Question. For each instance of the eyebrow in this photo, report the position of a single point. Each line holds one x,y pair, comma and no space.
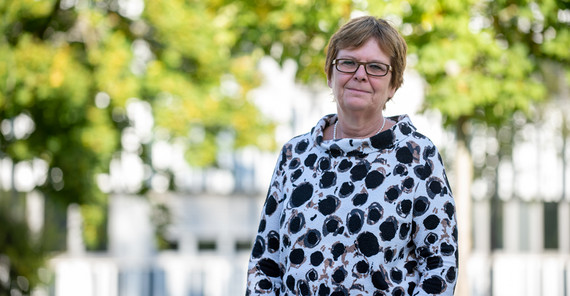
353,58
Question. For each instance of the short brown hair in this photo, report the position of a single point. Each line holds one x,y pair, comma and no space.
357,31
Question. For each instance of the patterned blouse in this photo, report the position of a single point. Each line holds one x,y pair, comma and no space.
368,216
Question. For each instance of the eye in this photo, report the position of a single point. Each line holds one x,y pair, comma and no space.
377,67
347,62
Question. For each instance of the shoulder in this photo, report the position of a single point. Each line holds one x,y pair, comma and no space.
310,139
295,145
406,131
300,142
421,140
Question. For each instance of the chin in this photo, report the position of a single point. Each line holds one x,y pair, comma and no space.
356,104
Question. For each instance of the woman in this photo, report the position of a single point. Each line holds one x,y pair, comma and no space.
361,204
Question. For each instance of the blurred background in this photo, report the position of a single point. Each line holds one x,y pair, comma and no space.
137,137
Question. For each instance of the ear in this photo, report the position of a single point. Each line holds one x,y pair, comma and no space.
329,83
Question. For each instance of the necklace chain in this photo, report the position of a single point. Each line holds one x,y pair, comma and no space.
382,127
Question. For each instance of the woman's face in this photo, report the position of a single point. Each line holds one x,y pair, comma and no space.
359,92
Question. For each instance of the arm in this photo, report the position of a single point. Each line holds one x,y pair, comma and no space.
436,230
264,276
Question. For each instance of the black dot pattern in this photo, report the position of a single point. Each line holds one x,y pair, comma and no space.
357,217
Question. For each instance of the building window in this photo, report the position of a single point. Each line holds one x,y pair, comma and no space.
496,224
551,225
207,245
243,246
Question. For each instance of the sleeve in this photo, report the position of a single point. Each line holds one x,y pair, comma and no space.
436,229
264,276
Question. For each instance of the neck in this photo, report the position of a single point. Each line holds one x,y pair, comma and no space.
358,129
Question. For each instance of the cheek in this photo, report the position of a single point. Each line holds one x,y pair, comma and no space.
334,84
338,81
384,88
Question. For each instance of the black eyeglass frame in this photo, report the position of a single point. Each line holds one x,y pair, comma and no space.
335,62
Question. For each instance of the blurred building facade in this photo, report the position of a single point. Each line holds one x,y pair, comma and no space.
520,207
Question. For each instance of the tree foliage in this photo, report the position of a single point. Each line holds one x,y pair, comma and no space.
73,66
21,253
483,60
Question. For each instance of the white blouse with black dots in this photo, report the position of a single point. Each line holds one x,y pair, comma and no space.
368,216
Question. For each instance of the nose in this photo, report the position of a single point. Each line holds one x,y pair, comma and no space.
360,73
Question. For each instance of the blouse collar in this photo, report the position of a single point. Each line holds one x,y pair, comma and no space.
362,147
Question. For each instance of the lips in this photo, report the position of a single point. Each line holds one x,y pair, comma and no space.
358,90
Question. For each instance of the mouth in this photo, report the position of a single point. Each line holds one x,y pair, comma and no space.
358,90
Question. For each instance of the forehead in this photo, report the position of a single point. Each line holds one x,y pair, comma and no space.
369,50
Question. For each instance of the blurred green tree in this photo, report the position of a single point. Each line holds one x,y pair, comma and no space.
71,67
21,256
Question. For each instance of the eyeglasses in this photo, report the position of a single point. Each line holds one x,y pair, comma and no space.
372,69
